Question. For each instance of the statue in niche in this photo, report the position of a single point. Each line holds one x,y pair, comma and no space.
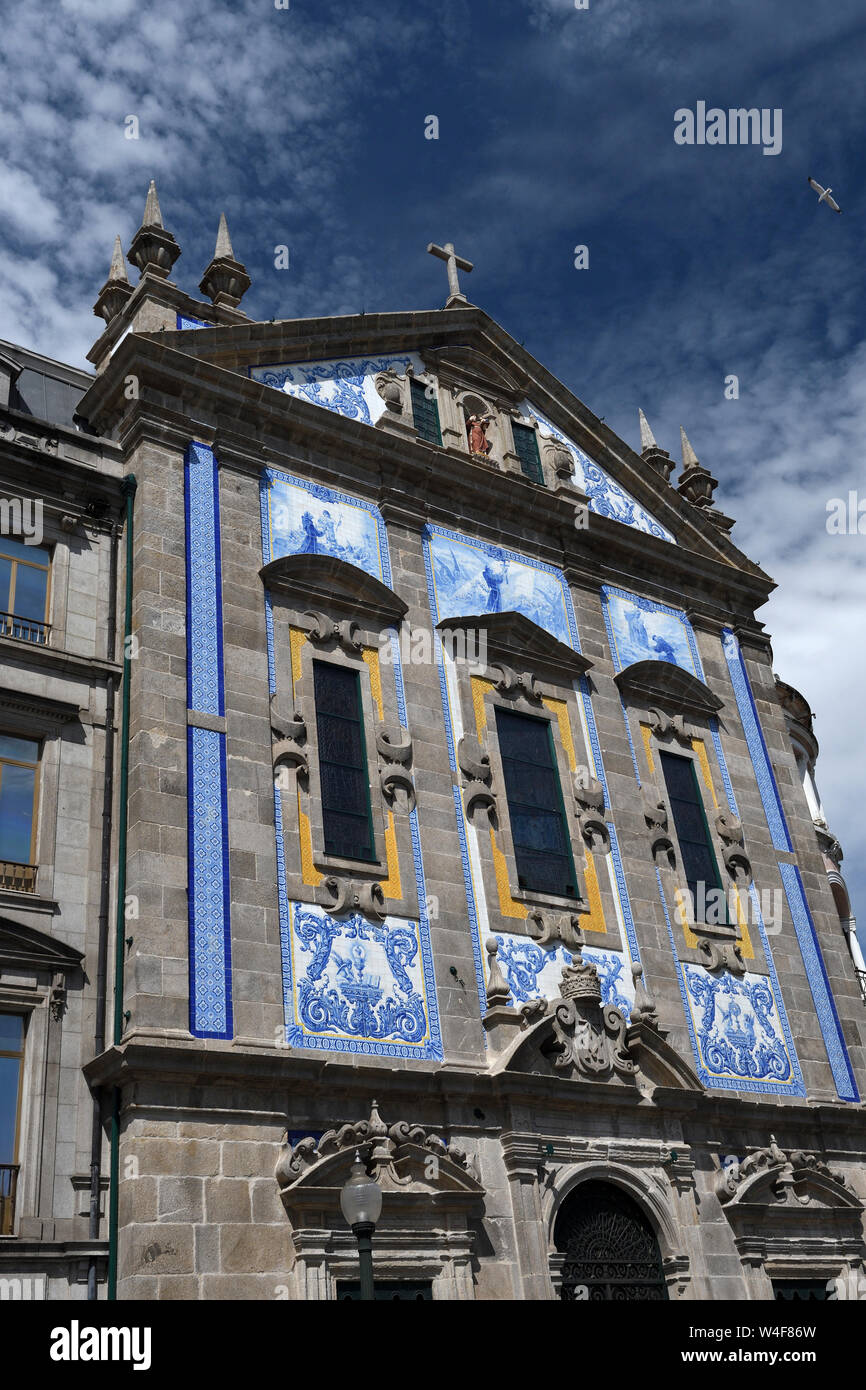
476,430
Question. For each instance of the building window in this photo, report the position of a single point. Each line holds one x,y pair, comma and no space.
526,448
699,864
801,1290
19,767
11,1058
425,413
346,813
23,590
391,1291
538,825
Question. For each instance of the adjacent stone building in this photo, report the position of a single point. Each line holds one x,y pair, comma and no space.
407,751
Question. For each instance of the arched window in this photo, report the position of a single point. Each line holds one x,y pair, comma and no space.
610,1248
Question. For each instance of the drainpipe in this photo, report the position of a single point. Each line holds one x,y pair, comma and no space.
128,487
104,905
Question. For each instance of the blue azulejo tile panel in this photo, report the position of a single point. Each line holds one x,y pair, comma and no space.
204,624
471,577
185,322
535,972
303,518
353,986
605,495
639,629
831,1029
209,889
741,1039
344,385
755,740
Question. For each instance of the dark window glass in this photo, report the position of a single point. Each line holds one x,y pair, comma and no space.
23,590
698,860
526,448
425,413
390,1291
45,397
343,775
538,824
801,1290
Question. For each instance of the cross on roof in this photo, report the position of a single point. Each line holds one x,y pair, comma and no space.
454,262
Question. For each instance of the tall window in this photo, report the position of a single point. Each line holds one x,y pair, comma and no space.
538,825
348,822
19,766
11,1058
425,413
23,590
526,448
696,848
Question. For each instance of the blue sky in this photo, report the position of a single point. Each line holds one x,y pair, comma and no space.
306,126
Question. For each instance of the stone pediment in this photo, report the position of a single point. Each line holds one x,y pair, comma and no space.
414,1168
520,643
325,581
28,949
663,682
476,371
776,1179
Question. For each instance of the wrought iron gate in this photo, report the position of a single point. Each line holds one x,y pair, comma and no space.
610,1248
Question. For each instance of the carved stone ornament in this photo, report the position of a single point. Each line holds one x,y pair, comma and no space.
719,954
394,1155
498,992
589,795
325,630
516,684
344,896
589,1039
775,1177
561,460
547,928
287,750
644,1009
730,831
395,751
475,765
666,726
389,388
656,816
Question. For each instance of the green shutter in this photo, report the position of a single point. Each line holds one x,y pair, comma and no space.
539,829
699,862
526,448
425,413
346,812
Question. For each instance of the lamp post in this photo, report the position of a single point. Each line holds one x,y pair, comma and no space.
361,1205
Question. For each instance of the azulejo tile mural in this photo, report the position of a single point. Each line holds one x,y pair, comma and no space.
737,1029
535,972
605,495
359,986
344,385
641,630
470,577
349,985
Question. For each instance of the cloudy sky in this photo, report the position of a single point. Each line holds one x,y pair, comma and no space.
307,126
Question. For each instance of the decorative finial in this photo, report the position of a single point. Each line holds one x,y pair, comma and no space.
116,290
658,458
498,993
153,250
696,483
225,281
454,262
690,458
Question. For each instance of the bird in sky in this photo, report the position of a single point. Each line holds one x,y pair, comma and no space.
824,195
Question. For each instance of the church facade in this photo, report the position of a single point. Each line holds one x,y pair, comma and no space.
434,800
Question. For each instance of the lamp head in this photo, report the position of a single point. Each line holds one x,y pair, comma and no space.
361,1197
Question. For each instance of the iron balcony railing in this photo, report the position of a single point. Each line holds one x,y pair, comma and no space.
8,1186
27,629
861,976
21,877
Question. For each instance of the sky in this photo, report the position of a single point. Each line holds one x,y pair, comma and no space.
306,125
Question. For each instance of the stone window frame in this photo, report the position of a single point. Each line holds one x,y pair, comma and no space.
39,718
294,614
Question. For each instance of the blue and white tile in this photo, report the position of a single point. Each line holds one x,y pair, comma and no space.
344,385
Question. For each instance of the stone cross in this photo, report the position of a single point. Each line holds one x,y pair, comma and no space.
454,262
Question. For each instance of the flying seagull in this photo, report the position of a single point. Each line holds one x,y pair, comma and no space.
824,195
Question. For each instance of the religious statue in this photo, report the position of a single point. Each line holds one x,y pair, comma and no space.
476,429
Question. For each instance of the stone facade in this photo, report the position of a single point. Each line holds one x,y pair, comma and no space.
295,506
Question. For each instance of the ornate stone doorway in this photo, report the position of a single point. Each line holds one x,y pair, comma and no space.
608,1248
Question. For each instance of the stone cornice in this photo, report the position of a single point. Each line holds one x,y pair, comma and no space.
28,654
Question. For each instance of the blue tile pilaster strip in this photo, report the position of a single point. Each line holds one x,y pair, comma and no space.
207,783
804,926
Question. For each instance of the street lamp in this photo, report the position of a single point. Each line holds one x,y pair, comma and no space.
361,1205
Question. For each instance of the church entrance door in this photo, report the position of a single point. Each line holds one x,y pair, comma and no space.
610,1248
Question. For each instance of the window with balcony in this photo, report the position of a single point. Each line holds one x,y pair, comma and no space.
11,1066
24,571
19,775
